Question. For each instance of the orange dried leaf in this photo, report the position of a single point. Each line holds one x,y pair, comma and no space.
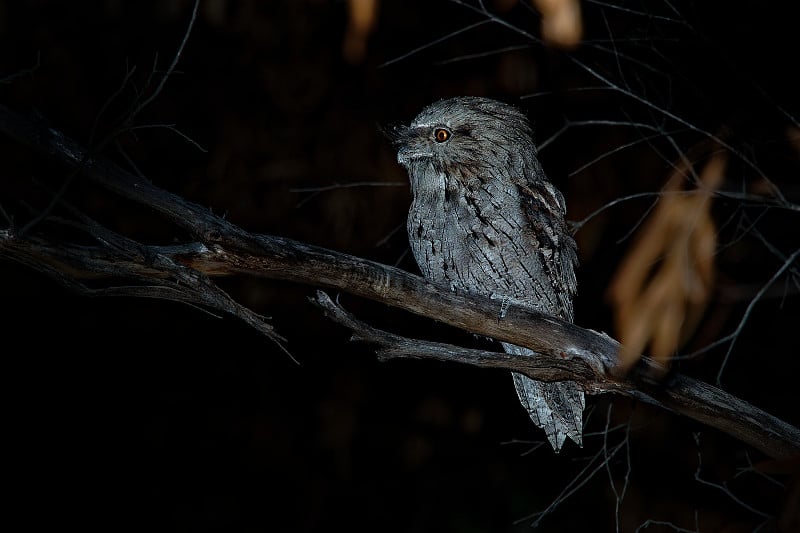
562,24
794,137
662,286
361,21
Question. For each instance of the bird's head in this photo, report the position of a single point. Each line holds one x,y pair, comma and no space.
464,132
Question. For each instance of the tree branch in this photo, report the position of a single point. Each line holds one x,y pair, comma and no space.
680,394
184,272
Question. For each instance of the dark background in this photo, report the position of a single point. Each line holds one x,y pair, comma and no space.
152,415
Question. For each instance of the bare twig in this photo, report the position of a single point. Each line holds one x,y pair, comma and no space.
723,486
24,72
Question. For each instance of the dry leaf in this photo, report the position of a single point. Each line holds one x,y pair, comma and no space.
662,286
793,133
562,24
361,20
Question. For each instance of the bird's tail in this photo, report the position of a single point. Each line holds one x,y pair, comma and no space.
556,407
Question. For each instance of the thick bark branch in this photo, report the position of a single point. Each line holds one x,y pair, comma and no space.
678,393
183,273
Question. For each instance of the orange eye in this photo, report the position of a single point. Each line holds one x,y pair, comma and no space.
441,135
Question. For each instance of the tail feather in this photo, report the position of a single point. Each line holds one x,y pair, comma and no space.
555,407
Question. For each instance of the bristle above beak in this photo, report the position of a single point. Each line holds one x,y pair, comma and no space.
396,133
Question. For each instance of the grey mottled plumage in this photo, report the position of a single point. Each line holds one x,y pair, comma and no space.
485,219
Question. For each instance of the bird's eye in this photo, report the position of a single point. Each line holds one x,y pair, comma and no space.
441,135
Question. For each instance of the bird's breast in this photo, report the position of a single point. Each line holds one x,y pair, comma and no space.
474,239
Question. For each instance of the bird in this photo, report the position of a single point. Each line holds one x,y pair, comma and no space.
485,219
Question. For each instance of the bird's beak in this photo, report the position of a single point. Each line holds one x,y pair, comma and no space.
402,138
396,133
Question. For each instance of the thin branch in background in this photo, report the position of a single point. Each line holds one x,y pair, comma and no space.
744,225
614,52
794,279
613,151
647,103
596,122
9,220
126,79
128,159
647,523
480,55
433,43
619,495
643,14
55,198
734,217
606,431
124,123
630,59
391,234
532,445
583,477
138,107
491,17
751,469
734,336
172,128
24,72
641,220
335,186
627,91
402,256
722,487
758,201
172,65
576,226
774,251
588,88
